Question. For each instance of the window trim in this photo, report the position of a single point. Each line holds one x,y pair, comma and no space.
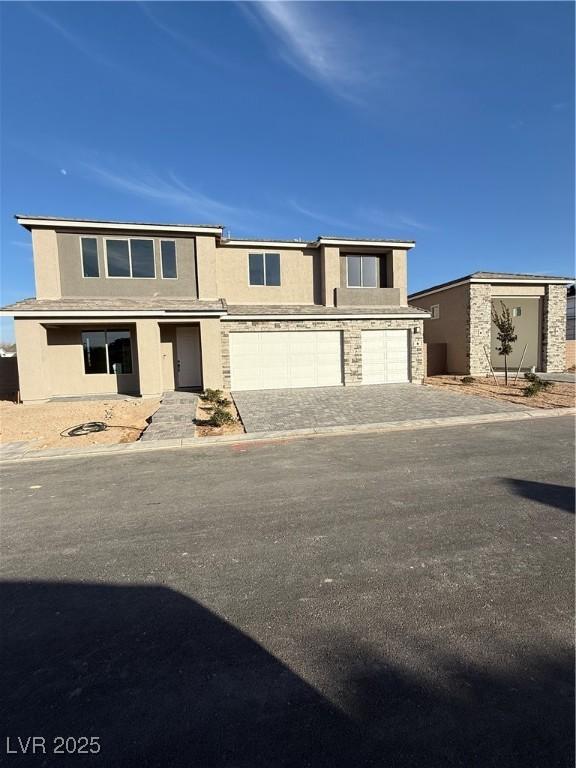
129,238
163,276
363,256
89,277
264,254
432,308
106,331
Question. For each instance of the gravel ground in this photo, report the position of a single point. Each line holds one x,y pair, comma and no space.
44,422
556,396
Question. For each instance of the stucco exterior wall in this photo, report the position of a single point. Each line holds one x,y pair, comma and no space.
527,328
46,267
330,272
73,283
352,341
554,329
298,276
451,327
570,353
51,362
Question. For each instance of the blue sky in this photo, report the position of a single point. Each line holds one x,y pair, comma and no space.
448,123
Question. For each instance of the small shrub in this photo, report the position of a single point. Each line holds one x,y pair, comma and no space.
220,416
467,379
223,402
211,395
536,384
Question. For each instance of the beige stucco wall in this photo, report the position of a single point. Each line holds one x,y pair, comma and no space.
330,273
206,267
73,283
527,327
33,365
51,362
298,276
450,327
46,269
517,290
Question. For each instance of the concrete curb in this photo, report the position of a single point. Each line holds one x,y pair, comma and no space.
292,434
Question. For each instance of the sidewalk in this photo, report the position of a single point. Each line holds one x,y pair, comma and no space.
17,452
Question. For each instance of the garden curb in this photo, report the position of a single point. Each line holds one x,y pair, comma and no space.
27,454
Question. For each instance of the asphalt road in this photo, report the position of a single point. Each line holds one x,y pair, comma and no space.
380,600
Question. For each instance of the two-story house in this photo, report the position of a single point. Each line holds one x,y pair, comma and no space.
134,308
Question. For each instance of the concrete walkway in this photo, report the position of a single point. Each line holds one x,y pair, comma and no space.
174,419
314,407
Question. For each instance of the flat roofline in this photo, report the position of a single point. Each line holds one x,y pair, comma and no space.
512,278
28,222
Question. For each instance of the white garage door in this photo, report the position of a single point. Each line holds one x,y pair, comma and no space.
385,357
285,359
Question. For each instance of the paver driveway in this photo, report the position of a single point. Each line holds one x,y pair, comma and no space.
278,409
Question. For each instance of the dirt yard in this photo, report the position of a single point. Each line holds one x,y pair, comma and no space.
44,422
203,413
555,396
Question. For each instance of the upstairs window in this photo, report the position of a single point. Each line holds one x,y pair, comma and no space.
168,252
89,246
435,311
363,271
130,258
107,351
264,268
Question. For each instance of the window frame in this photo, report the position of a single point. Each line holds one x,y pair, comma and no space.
264,254
89,277
168,240
434,311
364,256
129,238
106,331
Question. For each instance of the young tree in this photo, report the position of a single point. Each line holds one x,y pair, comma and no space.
506,334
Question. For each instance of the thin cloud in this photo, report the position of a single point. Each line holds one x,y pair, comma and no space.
171,191
71,37
184,40
21,243
392,220
330,221
314,45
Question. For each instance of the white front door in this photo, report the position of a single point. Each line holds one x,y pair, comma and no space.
188,365
385,357
285,359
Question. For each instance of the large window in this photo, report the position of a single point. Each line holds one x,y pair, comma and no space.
130,258
264,268
363,271
89,247
168,252
107,351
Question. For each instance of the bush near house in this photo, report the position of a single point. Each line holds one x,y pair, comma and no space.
535,385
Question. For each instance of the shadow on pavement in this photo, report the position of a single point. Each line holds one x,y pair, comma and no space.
165,682
558,496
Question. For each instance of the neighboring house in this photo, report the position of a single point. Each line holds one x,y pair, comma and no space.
461,318
145,308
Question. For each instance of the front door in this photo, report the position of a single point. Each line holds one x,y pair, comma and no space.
188,364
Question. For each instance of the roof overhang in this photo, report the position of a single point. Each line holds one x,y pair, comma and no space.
31,222
495,281
401,244
263,244
334,316
47,314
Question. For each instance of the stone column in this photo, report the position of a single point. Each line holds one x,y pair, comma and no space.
417,366
352,342
479,329
554,329
33,363
149,357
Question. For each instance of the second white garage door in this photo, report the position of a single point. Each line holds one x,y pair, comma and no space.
385,357
285,359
